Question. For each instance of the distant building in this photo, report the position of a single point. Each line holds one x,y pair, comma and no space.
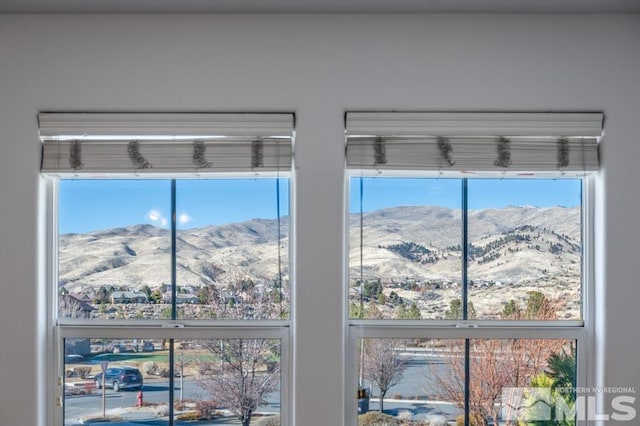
70,306
187,298
129,297
181,298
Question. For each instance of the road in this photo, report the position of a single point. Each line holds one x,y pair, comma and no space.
415,393
154,391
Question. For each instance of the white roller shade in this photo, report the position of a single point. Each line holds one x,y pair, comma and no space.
468,142
94,143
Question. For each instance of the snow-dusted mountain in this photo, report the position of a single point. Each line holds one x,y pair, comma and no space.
511,245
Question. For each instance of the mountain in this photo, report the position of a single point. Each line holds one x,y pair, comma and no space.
140,255
521,246
507,244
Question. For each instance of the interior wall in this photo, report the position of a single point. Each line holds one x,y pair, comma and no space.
318,67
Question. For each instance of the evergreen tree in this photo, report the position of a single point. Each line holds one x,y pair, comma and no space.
511,310
146,290
414,312
535,304
455,310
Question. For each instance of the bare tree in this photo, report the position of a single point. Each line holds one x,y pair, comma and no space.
383,365
246,300
243,372
498,363
495,364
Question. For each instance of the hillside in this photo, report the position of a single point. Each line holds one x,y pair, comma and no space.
519,247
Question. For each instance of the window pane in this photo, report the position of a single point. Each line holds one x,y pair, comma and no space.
232,251
217,380
409,379
114,248
505,373
410,236
525,249
227,381
134,387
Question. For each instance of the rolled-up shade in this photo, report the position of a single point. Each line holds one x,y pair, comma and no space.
96,143
467,142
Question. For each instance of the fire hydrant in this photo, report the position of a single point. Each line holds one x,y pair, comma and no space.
139,399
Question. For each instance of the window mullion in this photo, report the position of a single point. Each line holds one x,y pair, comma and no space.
465,298
173,251
465,251
174,284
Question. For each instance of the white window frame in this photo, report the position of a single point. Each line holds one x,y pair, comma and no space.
61,328
582,331
204,124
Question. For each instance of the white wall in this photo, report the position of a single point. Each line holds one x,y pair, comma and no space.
318,67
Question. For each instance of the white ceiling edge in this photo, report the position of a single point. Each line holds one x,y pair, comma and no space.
319,6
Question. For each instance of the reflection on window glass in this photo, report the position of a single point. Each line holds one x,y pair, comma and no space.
410,266
232,249
525,249
410,381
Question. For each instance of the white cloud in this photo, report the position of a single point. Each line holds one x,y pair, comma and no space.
158,219
184,218
155,217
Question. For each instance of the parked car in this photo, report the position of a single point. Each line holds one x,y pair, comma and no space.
116,347
119,378
147,347
78,388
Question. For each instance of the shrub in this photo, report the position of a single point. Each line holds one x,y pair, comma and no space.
405,414
162,410
438,420
269,421
377,419
191,415
150,368
163,372
475,419
82,371
207,410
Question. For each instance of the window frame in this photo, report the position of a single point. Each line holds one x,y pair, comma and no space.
582,331
59,329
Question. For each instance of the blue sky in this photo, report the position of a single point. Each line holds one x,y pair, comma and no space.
87,205
482,193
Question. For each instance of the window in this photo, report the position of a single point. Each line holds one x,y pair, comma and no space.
522,237
169,266
469,261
